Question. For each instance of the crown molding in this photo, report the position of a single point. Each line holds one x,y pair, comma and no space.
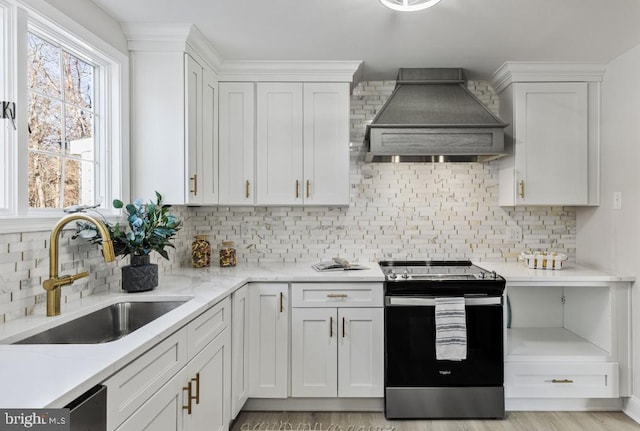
182,37
165,37
327,71
545,71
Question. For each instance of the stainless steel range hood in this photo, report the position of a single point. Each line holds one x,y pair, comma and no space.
431,116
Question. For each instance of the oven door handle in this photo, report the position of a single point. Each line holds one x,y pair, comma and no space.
395,301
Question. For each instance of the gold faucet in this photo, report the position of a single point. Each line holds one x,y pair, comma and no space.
54,283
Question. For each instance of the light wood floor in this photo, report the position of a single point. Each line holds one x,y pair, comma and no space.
355,421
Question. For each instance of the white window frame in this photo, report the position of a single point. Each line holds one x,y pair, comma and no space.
111,80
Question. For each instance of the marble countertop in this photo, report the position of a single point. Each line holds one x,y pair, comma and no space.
37,376
570,273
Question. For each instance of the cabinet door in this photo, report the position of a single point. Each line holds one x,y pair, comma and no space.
163,411
208,164
551,143
210,375
237,143
239,350
326,143
157,126
279,144
269,340
314,368
133,385
193,130
360,352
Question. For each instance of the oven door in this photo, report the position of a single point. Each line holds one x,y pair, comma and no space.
410,356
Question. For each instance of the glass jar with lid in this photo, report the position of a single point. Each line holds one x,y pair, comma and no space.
200,251
228,254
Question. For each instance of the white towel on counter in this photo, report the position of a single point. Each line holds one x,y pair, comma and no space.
451,329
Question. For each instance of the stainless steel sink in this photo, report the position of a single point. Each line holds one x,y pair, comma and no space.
104,325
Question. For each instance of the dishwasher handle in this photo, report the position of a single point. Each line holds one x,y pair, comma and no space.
402,301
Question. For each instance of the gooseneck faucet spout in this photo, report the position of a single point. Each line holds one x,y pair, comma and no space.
54,283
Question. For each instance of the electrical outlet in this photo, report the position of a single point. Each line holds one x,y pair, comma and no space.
514,233
617,200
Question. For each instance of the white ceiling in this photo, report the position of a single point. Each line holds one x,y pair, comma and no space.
478,35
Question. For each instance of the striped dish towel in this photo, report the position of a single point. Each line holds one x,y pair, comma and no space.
451,329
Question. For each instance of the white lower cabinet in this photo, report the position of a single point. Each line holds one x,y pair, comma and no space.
561,380
163,411
567,340
269,340
337,340
197,398
210,377
183,383
361,352
239,349
128,390
314,346
337,352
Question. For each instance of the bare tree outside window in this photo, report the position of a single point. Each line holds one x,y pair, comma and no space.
62,151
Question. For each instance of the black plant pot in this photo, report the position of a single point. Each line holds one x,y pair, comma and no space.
140,275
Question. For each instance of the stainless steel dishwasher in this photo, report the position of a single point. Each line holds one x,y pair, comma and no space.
88,412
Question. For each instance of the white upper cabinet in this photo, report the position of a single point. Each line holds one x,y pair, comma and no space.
237,143
299,151
173,116
303,143
279,144
200,139
326,143
553,133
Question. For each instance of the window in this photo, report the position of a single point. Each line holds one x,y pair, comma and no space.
61,116
70,88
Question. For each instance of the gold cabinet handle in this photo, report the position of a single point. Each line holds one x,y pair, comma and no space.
297,189
330,327
337,295
246,191
308,188
197,380
281,302
189,398
522,189
194,178
343,325
561,381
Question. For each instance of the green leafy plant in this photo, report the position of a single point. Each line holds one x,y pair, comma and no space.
150,227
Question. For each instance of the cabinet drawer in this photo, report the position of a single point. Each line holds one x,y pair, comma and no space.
336,295
137,382
561,380
208,325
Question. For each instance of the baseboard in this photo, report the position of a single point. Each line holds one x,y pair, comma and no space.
632,408
315,404
563,404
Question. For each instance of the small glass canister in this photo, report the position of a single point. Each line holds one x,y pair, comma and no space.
228,254
200,251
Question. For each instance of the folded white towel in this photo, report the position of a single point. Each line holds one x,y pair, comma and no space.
451,329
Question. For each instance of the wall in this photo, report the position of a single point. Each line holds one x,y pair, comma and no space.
607,238
408,210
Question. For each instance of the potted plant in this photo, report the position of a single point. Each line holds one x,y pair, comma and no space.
150,227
